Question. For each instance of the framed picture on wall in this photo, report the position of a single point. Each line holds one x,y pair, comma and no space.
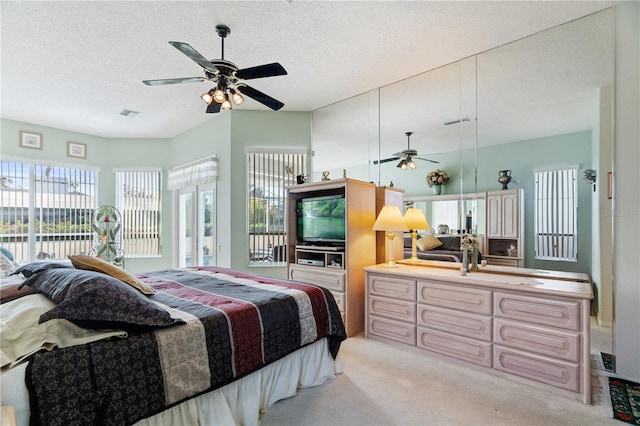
77,149
30,140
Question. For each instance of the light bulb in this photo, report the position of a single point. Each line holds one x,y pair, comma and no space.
207,97
237,97
219,96
226,104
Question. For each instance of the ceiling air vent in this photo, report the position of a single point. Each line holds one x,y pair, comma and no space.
129,113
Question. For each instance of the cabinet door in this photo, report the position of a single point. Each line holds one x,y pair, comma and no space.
510,216
494,216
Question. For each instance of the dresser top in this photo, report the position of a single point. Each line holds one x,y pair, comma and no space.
528,281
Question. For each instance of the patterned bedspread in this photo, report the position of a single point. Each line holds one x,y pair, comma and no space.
235,324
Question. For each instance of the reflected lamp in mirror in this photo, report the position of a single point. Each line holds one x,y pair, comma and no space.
414,219
390,221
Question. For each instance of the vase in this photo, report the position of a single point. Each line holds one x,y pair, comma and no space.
437,189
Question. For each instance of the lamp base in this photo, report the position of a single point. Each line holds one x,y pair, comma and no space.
413,259
390,264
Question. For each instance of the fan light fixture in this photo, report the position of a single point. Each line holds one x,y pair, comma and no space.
230,88
237,97
208,97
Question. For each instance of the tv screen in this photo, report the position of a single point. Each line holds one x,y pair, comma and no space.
321,219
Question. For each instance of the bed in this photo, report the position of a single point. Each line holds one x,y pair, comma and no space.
205,345
444,248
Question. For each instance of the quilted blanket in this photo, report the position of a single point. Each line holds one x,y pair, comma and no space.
235,323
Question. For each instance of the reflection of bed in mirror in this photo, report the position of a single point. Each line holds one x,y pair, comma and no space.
442,247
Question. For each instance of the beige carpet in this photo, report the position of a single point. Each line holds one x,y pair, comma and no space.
385,384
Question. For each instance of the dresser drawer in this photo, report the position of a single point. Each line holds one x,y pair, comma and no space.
558,373
455,297
390,308
541,340
394,330
555,313
339,300
459,347
392,287
330,280
456,322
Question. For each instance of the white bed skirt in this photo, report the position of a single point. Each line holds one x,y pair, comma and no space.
239,403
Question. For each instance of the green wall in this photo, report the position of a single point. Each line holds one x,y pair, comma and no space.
523,158
225,135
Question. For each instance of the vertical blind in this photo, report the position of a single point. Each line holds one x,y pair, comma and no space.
138,197
46,210
556,207
269,173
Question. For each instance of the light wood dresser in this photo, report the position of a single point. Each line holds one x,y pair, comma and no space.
532,325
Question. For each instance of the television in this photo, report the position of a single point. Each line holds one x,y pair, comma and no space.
321,220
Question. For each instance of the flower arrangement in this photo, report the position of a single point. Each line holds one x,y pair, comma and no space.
437,177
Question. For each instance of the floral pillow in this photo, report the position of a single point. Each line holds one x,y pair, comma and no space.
96,300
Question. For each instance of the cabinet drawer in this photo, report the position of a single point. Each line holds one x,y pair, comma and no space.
394,330
541,340
455,297
456,322
392,287
455,346
339,300
395,309
555,313
558,373
328,279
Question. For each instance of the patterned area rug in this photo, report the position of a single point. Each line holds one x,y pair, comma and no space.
625,400
608,361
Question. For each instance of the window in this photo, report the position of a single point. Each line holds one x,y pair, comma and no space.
269,173
46,210
138,197
556,208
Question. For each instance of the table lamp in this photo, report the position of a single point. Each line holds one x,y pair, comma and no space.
414,219
390,221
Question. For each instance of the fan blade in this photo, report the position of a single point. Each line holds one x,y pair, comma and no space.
194,55
257,95
386,160
426,159
174,81
268,70
213,107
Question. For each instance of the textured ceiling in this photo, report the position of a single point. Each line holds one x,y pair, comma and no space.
76,65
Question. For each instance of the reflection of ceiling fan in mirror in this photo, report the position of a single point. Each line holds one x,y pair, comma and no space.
406,156
229,81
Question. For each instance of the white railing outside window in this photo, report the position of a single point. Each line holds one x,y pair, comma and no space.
268,174
556,220
138,197
46,210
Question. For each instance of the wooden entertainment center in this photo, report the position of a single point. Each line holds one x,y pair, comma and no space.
532,325
338,267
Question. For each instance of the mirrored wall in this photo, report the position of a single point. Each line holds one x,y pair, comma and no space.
539,102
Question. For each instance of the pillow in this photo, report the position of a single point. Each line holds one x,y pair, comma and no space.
451,243
96,300
428,243
12,292
91,263
33,268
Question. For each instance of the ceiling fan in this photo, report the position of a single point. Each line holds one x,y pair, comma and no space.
229,81
405,156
